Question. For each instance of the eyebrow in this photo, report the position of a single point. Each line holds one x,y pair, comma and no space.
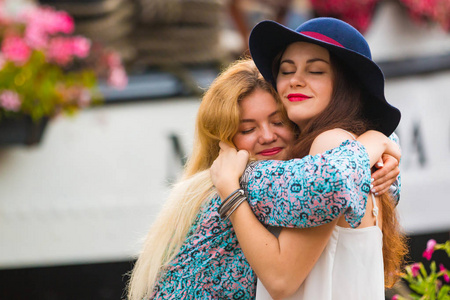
309,61
253,120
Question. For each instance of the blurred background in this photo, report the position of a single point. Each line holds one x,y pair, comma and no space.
78,193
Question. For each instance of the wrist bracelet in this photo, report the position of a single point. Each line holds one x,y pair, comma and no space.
238,203
227,203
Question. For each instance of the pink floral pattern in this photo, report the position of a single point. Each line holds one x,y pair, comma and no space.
43,22
435,10
10,100
280,196
15,49
358,13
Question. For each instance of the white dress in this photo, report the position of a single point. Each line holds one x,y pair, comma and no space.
350,267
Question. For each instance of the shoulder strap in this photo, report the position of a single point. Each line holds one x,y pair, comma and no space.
353,137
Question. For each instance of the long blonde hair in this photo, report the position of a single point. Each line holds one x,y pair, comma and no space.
217,120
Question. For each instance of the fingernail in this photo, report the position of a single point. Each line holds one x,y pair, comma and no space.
373,191
372,179
371,186
376,194
379,164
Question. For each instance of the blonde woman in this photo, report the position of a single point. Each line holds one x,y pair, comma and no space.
190,251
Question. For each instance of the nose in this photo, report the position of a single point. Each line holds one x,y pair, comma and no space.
297,80
267,135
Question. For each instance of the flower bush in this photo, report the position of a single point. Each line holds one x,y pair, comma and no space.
429,10
46,70
359,13
356,12
434,285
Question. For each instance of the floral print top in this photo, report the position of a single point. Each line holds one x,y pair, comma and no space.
308,192
210,264
279,197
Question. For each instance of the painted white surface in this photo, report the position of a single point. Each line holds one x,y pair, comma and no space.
425,103
91,189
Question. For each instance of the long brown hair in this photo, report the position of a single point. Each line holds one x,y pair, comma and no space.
346,110
394,241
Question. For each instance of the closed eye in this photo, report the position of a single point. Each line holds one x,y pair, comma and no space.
247,131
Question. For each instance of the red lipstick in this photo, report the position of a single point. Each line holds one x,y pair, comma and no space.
271,151
297,97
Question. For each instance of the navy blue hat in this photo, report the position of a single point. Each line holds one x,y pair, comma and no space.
269,38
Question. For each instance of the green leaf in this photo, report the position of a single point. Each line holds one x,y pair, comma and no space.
423,271
433,267
444,292
418,288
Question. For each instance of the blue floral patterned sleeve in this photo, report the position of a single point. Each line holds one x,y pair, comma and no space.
397,185
310,191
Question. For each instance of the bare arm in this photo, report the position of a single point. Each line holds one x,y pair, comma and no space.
313,190
376,145
282,263
375,142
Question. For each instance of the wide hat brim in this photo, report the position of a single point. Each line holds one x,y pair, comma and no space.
269,38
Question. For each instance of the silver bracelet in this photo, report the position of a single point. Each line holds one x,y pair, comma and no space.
237,203
229,201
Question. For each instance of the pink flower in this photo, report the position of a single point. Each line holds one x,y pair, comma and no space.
443,269
81,46
41,22
395,297
63,22
15,49
36,37
10,100
118,78
60,50
49,21
430,249
415,268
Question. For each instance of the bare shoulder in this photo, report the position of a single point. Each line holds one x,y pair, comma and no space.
328,140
